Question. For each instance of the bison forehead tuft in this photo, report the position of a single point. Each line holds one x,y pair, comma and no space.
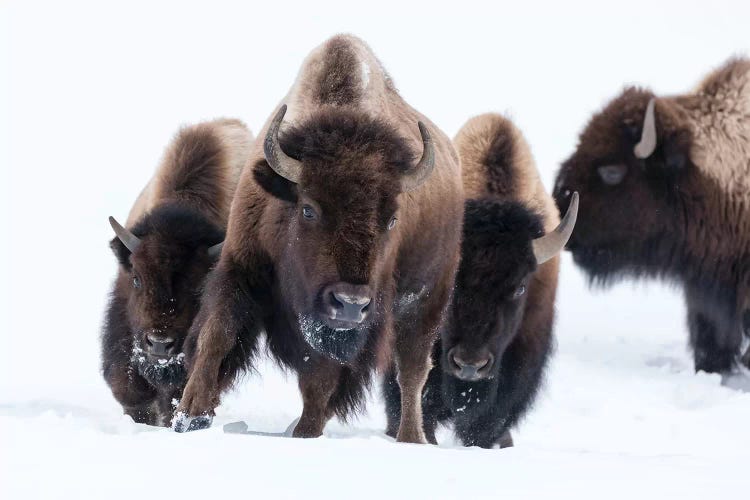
341,139
496,249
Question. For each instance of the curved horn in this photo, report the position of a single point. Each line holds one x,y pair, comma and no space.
422,170
647,145
287,167
215,251
551,244
128,239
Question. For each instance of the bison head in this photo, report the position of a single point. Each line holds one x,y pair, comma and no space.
503,243
340,174
164,261
630,166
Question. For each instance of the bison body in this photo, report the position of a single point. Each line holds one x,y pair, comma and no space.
665,183
349,210
165,251
497,337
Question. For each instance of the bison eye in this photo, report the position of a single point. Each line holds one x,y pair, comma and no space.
392,223
308,212
612,174
519,291
136,282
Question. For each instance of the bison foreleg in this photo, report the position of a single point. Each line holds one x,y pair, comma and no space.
392,396
220,344
715,332
414,363
317,385
746,329
415,340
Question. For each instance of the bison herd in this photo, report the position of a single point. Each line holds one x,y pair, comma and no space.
357,238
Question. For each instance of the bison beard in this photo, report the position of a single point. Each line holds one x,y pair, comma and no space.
340,344
164,374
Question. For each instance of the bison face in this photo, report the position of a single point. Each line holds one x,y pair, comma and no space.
162,272
630,169
342,182
503,243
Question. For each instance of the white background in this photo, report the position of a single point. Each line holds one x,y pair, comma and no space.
90,93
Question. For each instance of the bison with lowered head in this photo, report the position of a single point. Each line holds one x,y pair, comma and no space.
666,189
498,332
343,242
170,241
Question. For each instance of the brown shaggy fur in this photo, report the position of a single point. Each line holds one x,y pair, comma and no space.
355,136
681,214
507,208
178,216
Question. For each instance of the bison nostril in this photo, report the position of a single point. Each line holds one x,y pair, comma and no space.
469,370
160,345
350,307
353,300
482,364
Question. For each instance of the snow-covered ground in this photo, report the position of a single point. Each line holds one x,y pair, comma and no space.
91,93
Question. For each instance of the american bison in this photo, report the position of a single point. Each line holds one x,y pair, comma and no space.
172,237
343,242
665,183
497,336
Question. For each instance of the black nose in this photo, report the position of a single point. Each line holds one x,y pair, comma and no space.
468,367
159,345
347,303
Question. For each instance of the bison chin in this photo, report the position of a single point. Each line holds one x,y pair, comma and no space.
163,373
468,397
339,344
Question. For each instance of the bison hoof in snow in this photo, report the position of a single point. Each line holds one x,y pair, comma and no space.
182,422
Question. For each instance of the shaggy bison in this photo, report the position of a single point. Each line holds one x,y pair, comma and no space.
343,241
498,332
666,189
172,237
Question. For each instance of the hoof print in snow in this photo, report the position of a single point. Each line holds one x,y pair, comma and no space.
184,423
236,428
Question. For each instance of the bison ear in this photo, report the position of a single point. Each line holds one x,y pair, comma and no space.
273,183
121,252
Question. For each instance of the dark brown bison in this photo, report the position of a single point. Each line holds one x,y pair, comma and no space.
343,239
498,333
172,237
665,183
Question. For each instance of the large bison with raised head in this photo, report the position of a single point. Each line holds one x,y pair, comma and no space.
665,183
343,243
498,333
170,241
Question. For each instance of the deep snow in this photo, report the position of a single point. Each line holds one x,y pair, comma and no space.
90,95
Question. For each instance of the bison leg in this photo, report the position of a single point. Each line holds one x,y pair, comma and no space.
392,396
413,358
746,329
317,385
221,342
506,440
715,332
415,340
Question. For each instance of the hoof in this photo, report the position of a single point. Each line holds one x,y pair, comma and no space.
184,423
